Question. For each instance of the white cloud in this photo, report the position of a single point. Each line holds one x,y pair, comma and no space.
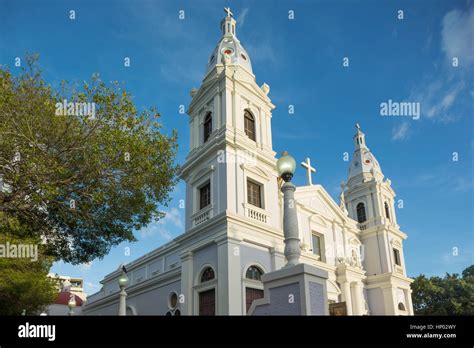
242,16
262,52
171,219
174,217
456,35
442,180
442,93
401,131
85,266
438,101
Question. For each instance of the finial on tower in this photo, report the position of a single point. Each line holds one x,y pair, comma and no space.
359,137
228,11
228,23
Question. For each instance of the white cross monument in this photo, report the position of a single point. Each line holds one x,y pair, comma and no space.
309,170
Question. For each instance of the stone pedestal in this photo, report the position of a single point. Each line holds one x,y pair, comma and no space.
295,290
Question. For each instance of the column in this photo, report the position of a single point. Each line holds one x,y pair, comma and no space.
389,299
409,302
229,278
346,296
216,113
185,298
358,298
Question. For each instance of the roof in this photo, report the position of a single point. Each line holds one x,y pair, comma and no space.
64,296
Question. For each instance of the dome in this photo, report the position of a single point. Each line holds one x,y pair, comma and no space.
229,47
363,160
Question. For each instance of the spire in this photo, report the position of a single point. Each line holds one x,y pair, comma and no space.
364,164
359,138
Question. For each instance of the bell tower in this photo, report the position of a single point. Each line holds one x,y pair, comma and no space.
370,200
231,166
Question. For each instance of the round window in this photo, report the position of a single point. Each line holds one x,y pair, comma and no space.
173,300
227,50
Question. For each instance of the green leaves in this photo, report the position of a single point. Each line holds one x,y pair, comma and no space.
23,283
74,185
450,295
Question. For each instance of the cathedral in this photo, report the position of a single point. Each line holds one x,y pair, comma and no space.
234,211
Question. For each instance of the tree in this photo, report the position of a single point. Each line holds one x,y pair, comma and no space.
79,177
24,285
450,295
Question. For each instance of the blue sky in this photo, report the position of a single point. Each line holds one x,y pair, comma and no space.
301,60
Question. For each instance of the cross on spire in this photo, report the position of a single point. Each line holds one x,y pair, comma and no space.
309,170
228,11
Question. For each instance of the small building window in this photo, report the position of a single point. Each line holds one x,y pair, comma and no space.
207,126
401,306
207,275
396,256
254,273
387,212
205,195
249,125
317,245
361,217
254,193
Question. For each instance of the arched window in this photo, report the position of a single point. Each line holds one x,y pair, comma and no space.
387,212
249,125
207,275
361,213
207,126
254,272
401,306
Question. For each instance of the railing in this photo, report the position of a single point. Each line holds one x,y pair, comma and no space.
257,214
398,269
202,216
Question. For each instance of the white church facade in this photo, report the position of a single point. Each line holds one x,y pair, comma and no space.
234,210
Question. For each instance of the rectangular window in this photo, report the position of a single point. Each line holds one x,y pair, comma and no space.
207,126
318,245
396,256
249,125
254,193
205,195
